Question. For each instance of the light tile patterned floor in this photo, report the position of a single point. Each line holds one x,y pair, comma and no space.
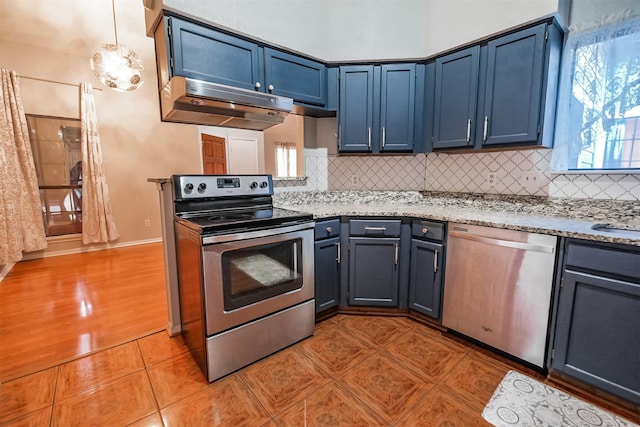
354,371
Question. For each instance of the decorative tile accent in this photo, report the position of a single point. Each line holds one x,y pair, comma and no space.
377,172
600,186
493,172
500,172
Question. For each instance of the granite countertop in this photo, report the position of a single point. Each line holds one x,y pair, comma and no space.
556,216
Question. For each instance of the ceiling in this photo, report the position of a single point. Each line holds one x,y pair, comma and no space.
72,26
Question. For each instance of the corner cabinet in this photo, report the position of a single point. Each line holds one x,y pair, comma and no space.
426,274
597,326
327,264
374,272
200,52
501,93
377,107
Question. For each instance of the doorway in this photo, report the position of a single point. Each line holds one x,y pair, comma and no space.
214,157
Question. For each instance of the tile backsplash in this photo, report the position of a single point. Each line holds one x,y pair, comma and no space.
521,172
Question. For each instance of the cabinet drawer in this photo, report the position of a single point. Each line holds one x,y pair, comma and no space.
373,228
616,261
427,230
327,229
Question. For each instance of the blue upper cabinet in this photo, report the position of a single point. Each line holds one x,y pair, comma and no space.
498,94
202,53
355,108
295,77
513,95
456,97
397,107
377,108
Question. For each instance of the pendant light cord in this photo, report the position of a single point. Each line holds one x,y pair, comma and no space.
115,28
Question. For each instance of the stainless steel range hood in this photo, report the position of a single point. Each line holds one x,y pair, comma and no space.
186,100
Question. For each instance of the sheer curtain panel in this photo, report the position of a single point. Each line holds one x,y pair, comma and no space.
21,226
98,221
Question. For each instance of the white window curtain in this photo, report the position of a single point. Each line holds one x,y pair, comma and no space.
286,160
21,225
599,90
98,221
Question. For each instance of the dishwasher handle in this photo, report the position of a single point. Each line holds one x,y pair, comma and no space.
504,243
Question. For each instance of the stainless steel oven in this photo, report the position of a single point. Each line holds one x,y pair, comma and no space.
245,271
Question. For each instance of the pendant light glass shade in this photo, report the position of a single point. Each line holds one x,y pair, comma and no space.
117,67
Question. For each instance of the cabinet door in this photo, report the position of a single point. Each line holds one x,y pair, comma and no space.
327,268
202,53
373,271
597,333
397,107
425,280
355,108
298,78
456,98
512,102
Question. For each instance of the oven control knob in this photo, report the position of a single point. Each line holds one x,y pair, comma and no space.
188,188
263,184
202,187
253,185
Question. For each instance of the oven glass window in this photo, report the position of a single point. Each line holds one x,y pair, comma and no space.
260,272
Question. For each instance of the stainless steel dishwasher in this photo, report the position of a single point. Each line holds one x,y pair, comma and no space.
498,288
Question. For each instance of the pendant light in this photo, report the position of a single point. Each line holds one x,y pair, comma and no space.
115,65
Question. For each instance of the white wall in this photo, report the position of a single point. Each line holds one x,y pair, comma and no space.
341,30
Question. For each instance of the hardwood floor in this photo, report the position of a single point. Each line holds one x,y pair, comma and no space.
55,309
78,347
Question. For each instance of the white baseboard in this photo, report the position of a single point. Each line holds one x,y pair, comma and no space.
88,248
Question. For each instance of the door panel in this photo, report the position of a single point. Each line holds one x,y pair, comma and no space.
356,108
373,271
202,53
456,98
397,108
515,68
327,286
597,333
425,283
298,78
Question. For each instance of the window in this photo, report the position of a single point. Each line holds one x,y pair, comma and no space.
55,143
598,123
286,159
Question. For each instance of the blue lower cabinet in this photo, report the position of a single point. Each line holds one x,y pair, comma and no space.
373,271
425,280
597,329
327,274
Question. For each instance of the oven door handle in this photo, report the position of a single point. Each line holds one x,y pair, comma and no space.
247,234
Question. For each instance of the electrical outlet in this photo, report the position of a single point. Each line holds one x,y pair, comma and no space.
530,180
147,223
491,178
355,180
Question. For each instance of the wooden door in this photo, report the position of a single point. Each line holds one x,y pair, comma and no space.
214,158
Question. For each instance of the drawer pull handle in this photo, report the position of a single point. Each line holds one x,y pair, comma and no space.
338,250
377,229
425,230
329,229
